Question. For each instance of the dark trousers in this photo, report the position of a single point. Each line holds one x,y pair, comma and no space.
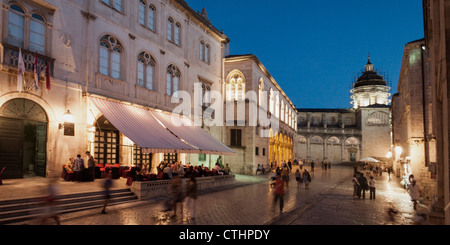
275,199
372,192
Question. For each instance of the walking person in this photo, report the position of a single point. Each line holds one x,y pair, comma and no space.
306,179
51,202
191,197
107,184
279,193
91,165
177,194
298,178
372,187
414,192
355,185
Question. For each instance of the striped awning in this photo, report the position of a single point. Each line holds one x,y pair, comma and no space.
157,131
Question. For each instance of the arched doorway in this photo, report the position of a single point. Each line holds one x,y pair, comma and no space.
23,138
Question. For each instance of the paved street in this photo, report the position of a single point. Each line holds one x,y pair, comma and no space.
329,201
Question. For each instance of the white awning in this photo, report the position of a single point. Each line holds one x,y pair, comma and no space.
154,131
185,129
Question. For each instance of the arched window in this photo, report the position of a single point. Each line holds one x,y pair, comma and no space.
177,34
277,106
110,56
378,119
16,26
271,101
236,87
207,51
261,94
147,15
146,70
286,113
37,34
352,141
170,28
316,140
333,140
204,51
174,31
172,80
282,111
302,139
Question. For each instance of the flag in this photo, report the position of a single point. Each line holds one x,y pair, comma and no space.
20,71
47,75
36,72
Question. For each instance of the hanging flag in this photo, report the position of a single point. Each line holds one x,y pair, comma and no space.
20,71
36,72
47,75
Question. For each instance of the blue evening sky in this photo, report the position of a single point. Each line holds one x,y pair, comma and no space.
315,48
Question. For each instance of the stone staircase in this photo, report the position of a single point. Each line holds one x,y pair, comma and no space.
18,210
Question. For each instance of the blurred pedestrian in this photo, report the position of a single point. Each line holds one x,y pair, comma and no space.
51,202
107,184
355,185
306,178
414,192
91,165
279,193
372,187
298,177
177,194
191,197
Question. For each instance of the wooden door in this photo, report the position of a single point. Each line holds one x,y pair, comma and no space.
11,147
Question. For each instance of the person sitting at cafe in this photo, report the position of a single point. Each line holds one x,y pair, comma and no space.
167,172
226,169
218,169
69,164
136,173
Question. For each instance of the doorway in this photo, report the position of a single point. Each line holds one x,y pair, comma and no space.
23,139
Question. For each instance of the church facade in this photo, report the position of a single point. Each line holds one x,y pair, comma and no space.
349,135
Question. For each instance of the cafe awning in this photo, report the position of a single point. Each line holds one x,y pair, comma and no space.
154,131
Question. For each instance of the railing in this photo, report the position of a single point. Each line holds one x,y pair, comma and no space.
10,59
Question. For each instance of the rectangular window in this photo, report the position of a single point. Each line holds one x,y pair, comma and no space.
139,157
16,29
149,77
177,34
140,75
142,13
170,30
104,61
37,37
235,137
202,157
169,84
264,152
151,19
256,151
115,71
118,5
170,157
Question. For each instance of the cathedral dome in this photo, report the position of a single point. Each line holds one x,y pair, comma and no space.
369,77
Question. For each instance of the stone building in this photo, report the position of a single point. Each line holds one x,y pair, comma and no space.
348,135
249,88
437,26
412,120
134,53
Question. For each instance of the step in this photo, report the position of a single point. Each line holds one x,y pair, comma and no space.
28,208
